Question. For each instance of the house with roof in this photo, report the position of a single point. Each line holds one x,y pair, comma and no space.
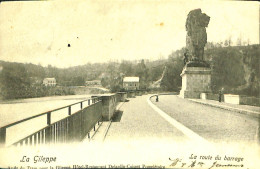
131,83
49,82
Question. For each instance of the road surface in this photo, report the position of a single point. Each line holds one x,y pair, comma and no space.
213,124
138,120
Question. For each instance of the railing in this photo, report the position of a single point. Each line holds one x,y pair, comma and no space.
74,127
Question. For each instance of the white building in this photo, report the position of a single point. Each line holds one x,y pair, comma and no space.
131,83
49,81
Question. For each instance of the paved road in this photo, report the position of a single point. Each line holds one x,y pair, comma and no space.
211,123
137,120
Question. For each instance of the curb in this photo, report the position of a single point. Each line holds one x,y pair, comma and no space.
91,138
186,131
106,131
241,111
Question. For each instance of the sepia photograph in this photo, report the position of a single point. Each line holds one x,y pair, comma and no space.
129,84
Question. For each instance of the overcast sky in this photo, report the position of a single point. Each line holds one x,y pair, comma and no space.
100,31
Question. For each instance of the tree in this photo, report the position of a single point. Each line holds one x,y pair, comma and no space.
229,40
226,43
126,68
142,72
113,79
239,41
15,82
227,68
172,78
78,81
155,72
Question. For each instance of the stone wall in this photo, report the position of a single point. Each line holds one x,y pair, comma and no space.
232,99
123,96
109,103
249,101
239,99
253,101
131,94
212,96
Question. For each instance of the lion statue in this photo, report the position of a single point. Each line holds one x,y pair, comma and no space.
196,38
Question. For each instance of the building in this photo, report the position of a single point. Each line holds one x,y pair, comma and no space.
49,81
131,83
93,83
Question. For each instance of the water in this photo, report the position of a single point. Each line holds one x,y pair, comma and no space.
12,111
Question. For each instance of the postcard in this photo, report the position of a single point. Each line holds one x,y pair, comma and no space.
129,84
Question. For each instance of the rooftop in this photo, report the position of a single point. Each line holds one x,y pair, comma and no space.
50,78
131,79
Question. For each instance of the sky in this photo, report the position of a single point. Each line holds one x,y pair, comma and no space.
39,32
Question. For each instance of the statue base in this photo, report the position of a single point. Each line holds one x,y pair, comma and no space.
195,80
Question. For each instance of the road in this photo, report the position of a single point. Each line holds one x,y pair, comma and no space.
137,120
211,123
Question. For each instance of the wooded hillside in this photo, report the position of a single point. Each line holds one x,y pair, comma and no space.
236,69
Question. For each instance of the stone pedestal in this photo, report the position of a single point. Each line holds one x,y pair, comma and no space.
195,80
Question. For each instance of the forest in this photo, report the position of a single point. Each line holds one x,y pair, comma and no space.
234,68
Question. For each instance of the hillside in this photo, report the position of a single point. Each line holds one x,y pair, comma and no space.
237,69
234,68
19,80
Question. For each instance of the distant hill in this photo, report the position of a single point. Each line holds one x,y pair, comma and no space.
23,80
234,68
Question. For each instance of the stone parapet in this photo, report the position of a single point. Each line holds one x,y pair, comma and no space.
109,103
240,99
138,93
232,99
123,96
253,101
130,94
